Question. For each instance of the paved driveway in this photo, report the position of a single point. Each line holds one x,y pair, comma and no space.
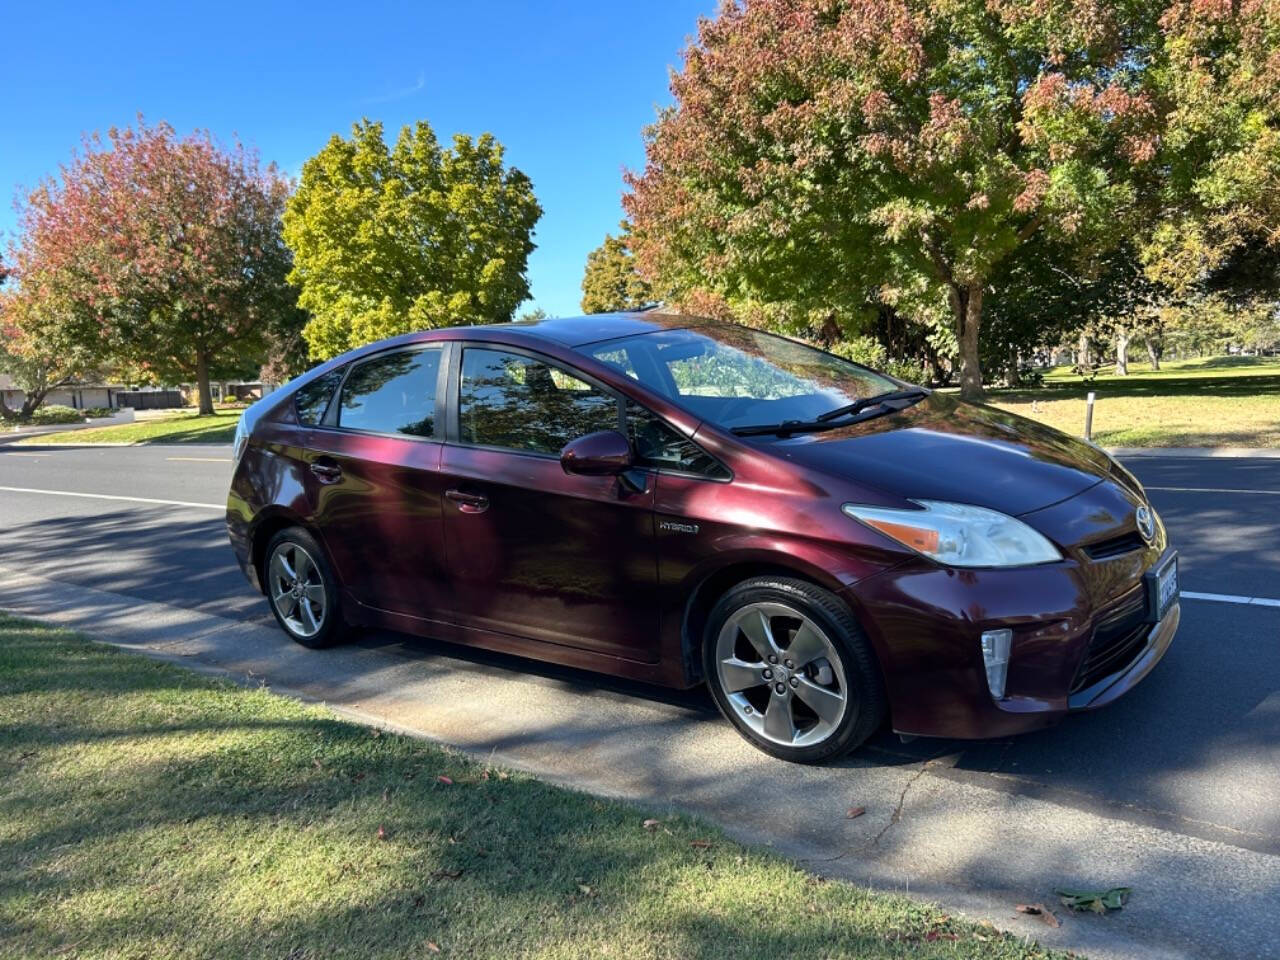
1175,790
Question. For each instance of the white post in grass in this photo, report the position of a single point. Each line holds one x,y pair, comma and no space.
1088,418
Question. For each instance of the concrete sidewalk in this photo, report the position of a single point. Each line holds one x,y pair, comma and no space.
975,843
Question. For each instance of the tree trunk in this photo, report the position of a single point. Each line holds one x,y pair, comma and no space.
1154,353
1083,362
967,304
932,365
1122,353
202,385
829,334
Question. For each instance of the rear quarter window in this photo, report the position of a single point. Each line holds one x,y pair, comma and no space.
312,399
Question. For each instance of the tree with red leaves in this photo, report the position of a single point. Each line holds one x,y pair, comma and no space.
842,155
162,252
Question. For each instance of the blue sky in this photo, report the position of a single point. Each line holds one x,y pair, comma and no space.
566,87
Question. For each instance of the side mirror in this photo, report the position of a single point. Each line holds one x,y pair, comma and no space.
603,454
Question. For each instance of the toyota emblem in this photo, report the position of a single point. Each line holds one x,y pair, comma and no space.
1146,525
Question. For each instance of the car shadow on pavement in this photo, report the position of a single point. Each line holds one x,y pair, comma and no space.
1194,742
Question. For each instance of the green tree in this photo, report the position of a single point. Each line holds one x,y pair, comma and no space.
842,153
611,281
34,350
388,240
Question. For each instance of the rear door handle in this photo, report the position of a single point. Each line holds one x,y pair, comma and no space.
326,472
468,502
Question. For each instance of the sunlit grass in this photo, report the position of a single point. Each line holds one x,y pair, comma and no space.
146,811
1209,402
180,428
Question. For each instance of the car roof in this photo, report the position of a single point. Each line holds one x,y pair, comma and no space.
576,331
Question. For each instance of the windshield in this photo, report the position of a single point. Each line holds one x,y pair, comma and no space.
734,376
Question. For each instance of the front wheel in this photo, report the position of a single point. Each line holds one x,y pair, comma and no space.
302,589
789,666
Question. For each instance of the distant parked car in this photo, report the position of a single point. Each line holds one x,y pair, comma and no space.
681,501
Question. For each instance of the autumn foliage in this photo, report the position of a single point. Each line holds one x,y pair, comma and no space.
157,251
840,156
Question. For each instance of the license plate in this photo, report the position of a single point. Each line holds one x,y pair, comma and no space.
1162,588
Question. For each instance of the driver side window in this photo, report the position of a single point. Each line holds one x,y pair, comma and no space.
517,402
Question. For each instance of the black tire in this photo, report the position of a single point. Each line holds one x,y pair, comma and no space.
332,629
858,673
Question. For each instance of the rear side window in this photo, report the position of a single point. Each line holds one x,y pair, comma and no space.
394,393
312,399
519,403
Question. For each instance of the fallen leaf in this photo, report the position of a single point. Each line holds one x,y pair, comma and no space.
933,935
855,812
382,834
445,780
432,946
447,874
1039,910
1099,901
652,824
700,844
586,890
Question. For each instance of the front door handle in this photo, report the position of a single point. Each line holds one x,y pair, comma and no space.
468,502
326,472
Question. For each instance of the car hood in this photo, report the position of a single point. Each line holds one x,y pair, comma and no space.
944,449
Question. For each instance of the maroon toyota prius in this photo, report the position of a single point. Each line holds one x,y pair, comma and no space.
682,501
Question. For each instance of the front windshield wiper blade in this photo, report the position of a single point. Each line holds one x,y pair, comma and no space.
859,405
868,411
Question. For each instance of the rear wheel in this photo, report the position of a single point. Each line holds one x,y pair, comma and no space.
301,589
789,666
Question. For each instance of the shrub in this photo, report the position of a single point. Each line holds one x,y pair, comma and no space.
870,352
55,413
98,412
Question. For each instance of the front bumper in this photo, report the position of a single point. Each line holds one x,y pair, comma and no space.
925,622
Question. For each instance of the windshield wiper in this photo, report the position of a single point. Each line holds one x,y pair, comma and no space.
861,404
826,421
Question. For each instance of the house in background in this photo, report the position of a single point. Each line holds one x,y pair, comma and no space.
84,395
225,391
77,394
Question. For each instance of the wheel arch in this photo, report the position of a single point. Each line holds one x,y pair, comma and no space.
268,524
710,585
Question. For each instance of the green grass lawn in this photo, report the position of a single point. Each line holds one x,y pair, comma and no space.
181,428
1215,401
147,811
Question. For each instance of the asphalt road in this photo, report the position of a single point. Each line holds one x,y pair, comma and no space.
1174,790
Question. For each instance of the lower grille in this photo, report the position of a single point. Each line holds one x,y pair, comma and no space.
1117,640
1115,547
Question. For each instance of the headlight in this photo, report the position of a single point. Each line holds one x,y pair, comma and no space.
959,535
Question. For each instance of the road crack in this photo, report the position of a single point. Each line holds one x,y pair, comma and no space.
902,799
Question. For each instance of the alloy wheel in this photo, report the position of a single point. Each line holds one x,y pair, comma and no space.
781,674
297,589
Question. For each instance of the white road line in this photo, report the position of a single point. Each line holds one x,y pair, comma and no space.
1231,598
108,496
202,459
1271,493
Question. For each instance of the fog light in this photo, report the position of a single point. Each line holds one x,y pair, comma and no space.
995,654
